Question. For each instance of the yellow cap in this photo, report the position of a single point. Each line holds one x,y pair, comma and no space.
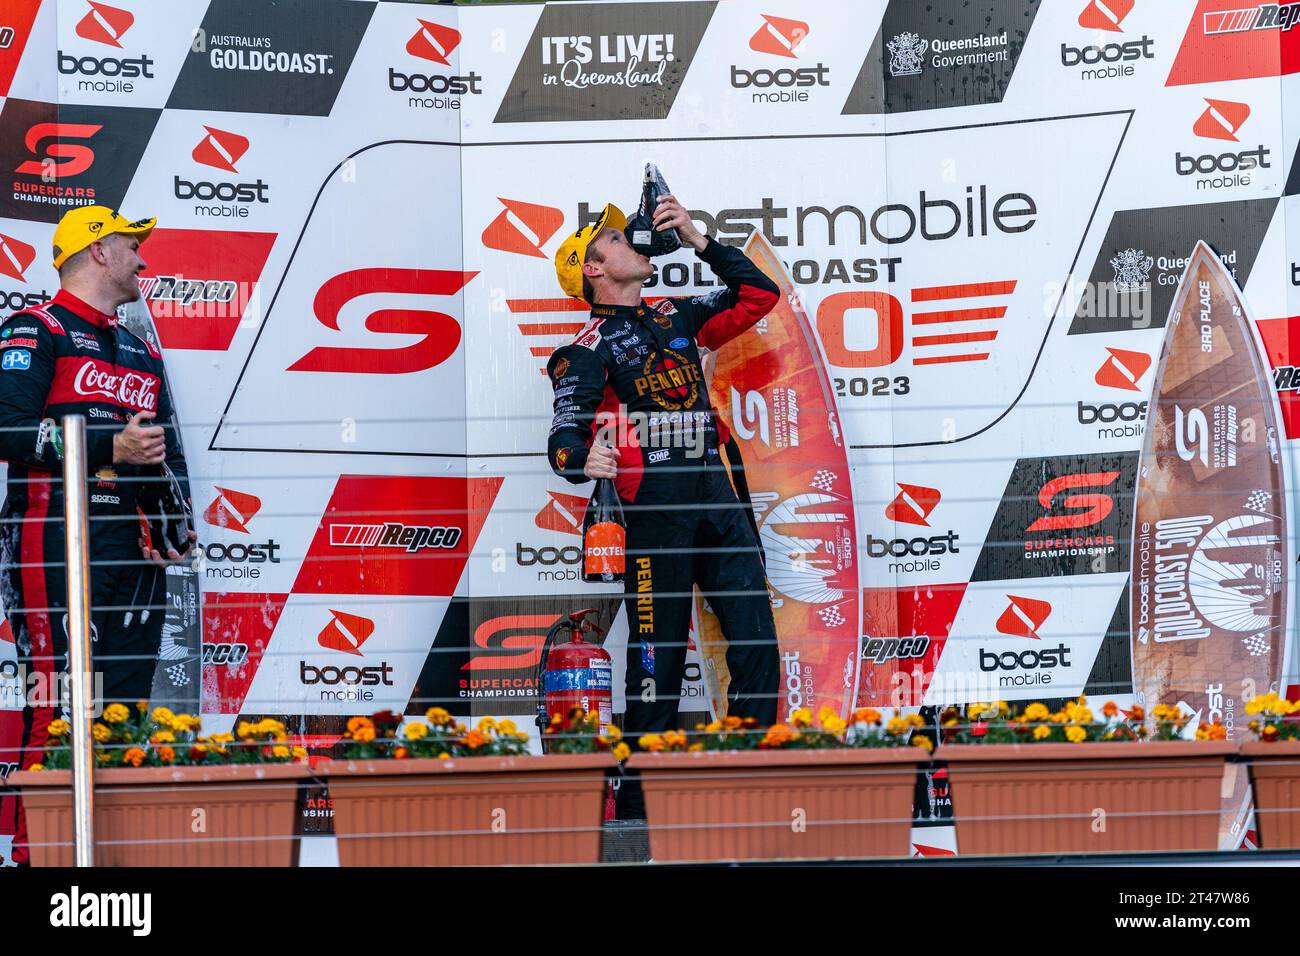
572,254
82,225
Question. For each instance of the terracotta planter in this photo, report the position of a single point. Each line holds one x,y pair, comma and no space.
779,804
1014,799
1275,774
147,816
476,811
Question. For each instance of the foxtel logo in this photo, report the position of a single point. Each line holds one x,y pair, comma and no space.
913,504
105,24
220,149
1221,120
1124,369
15,257
778,36
562,513
522,228
393,534
232,509
345,632
1023,617
1105,15
433,41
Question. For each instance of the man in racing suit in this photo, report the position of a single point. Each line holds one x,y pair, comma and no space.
632,378
70,356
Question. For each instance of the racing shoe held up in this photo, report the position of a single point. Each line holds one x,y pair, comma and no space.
165,514
640,229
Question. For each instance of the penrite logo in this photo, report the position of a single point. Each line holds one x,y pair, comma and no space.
441,333
913,504
1110,60
1023,617
220,149
434,42
523,228
232,509
1124,369
1236,40
345,632
15,258
105,24
779,37
1221,120
562,513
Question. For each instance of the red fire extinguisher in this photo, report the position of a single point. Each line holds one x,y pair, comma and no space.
574,673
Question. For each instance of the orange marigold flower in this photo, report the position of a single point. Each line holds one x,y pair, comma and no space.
134,756
400,753
1109,709
166,754
474,740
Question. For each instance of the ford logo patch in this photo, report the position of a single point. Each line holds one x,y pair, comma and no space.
679,343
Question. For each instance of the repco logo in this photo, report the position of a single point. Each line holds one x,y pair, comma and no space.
1221,120
779,36
434,42
221,149
106,25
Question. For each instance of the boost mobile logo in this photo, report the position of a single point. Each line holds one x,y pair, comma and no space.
105,24
433,41
1221,120
522,228
1023,617
913,504
1124,369
561,513
232,509
1105,15
778,36
15,257
220,149
346,632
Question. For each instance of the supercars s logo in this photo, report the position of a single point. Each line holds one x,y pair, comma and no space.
345,632
1089,509
105,24
523,634
15,257
1221,120
913,504
778,36
61,158
220,149
441,333
232,509
522,228
433,41
1124,369
1023,617
1105,15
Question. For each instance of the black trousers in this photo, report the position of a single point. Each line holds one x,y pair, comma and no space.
705,539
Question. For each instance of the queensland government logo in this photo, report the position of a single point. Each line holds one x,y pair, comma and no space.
1132,270
907,54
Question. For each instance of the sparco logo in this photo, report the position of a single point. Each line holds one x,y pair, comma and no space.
434,43
131,389
1221,120
779,37
394,534
221,149
1109,60
107,25
1044,660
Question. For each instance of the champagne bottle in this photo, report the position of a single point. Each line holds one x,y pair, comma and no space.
640,229
604,536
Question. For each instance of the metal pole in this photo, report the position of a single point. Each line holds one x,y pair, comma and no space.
79,663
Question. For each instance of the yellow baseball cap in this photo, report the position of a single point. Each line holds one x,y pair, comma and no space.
83,225
572,254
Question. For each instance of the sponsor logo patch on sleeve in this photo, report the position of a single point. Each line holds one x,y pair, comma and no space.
16,360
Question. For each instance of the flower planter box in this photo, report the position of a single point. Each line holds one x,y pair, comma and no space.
147,816
779,804
1275,775
1014,799
477,811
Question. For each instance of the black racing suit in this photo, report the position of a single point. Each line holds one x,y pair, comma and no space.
633,377
65,357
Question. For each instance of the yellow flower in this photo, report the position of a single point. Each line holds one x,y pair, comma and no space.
163,716
1075,734
299,753
416,731
1003,708
270,728
444,756
826,713
976,711
915,720
714,727
674,740
37,766
1082,715
896,727
116,713
486,725
834,725
613,733
142,706
356,723
101,732
695,748
507,727
363,735
163,737
924,742
243,730
622,751
437,716
801,717
59,727
1042,732
280,753
1036,712
652,742
1060,717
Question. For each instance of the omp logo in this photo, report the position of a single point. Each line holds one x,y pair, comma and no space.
105,24
1088,509
433,41
394,534
1221,120
511,642
1105,15
220,149
1023,617
232,509
913,504
778,36
562,513
61,157
345,632
1263,16
15,257
1123,369
441,333
522,228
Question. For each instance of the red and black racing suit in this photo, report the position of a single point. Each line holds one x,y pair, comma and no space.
638,367
65,357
